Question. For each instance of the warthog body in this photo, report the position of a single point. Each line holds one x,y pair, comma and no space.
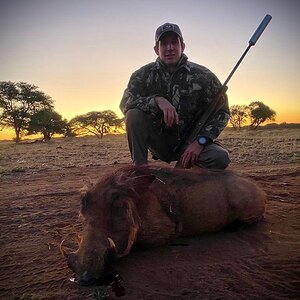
149,206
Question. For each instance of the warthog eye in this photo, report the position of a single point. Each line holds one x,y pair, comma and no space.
115,196
118,205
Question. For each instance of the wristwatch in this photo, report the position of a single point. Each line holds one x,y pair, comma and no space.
202,140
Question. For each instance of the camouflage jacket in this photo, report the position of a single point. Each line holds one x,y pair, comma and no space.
191,88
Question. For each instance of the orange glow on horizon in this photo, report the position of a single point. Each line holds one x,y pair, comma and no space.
8,134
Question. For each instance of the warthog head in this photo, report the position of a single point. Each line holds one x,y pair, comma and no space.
110,224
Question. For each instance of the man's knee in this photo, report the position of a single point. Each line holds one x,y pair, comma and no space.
134,117
214,157
221,160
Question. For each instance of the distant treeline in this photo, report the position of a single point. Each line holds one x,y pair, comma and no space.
28,111
283,125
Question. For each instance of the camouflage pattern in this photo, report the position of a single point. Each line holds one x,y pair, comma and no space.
191,88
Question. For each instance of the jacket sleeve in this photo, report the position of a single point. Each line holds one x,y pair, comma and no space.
218,122
135,95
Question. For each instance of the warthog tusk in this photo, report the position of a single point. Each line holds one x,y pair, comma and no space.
62,250
112,244
131,239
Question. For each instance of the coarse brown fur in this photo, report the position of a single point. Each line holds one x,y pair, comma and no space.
149,206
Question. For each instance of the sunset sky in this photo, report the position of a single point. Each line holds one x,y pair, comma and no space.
82,52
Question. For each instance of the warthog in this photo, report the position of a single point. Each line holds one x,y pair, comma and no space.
150,206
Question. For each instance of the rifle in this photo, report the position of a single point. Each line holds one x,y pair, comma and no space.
201,118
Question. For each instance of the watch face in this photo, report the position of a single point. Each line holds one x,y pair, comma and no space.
202,140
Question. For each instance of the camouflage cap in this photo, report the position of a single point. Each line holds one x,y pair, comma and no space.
167,27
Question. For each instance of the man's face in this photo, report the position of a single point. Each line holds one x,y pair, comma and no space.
169,48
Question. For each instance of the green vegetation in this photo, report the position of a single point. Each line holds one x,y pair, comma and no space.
239,115
259,113
19,101
47,122
96,123
101,293
29,111
256,113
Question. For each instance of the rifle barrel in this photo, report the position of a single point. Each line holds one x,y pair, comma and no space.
260,29
236,66
262,26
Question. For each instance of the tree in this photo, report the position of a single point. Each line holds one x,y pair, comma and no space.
259,113
69,131
47,122
18,102
238,115
94,122
119,125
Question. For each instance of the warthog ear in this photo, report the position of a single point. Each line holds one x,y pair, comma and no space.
84,195
142,183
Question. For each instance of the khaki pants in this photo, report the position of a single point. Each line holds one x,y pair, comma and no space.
143,135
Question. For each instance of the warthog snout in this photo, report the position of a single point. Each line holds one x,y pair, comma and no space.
91,264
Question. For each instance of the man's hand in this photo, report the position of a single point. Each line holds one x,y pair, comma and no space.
191,154
169,111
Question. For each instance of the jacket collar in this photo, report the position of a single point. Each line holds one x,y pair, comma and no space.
182,63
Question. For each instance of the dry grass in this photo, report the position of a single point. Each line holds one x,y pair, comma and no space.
263,147
63,153
259,147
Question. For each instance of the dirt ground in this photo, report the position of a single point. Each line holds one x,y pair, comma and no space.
39,208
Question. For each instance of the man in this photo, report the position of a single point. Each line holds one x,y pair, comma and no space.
161,101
